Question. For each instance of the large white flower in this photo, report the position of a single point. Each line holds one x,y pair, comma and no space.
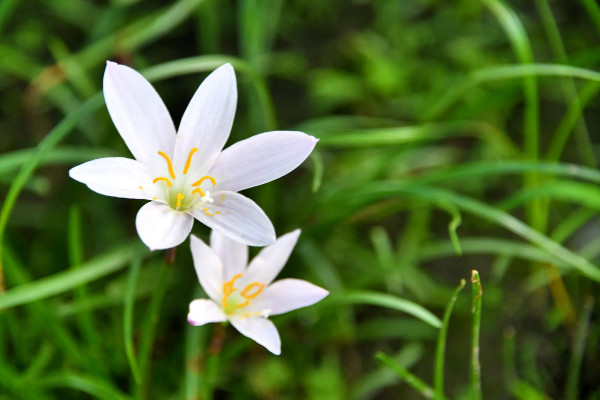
245,296
185,174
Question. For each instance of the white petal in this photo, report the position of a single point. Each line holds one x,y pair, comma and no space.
138,113
259,329
116,177
204,311
287,295
261,159
236,217
208,268
161,227
268,263
207,121
233,255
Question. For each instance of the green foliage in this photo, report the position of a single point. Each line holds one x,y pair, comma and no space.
452,135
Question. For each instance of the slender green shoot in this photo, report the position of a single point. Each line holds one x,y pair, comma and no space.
128,314
475,370
438,374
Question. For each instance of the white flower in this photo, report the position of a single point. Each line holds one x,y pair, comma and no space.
185,174
245,296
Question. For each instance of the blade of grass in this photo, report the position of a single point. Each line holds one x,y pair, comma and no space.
98,388
475,370
438,374
128,314
536,211
572,385
148,331
67,280
568,85
49,142
84,319
593,11
385,300
378,190
416,383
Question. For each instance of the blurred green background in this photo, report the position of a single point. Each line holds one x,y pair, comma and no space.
454,135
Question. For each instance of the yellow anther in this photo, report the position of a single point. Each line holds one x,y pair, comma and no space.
249,296
189,161
199,191
162,178
210,178
222,197
170,164
154,198
228,288
179,198
141,188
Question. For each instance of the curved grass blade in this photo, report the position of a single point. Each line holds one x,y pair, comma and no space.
380,190
67,280
415,382
388,301
438,374
87,384
571,387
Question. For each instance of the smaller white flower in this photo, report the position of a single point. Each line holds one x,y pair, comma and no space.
245,296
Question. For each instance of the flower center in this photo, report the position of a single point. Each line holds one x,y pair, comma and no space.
180,195
234,299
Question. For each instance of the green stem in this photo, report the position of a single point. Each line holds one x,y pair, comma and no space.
475,371
438,376
412,380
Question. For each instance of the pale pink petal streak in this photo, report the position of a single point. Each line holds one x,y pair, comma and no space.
261,159
233,255
204,311
116,177
209,268
236,217
259,329
161,227
268,263
138,113
287,295
207,121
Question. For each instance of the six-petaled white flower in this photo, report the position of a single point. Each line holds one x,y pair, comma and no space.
185,174
245,296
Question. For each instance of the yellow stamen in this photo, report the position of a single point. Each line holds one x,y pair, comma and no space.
179,198
170,164
141,188
210,178
189,161
222,197
162,178
199,191
228,288
154,198
249,296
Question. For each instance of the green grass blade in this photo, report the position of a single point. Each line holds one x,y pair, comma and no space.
475,369
128,314
438,374
385,300
149,328
87,384
593,11
67,280
385,189
572,385
49,142
416,383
